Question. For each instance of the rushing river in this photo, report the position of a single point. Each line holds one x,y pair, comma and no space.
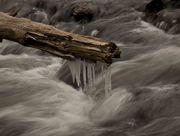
38,97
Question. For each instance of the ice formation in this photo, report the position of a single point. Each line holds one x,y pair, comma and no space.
108,81
85,72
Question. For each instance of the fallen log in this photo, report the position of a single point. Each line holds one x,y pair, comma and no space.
50,39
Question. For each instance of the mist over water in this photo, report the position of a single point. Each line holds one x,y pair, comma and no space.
38,97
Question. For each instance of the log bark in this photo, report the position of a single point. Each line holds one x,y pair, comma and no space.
50,39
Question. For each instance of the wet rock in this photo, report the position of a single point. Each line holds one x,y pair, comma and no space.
167,19
154,6
83,11
164,14
172,3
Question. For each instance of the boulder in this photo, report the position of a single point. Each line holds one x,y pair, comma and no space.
83,11
154,6
172,4
168,19
164,14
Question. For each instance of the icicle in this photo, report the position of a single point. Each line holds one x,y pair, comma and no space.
93,75
71,67
77,71
102,67
90,80
88,74
108,81
84,75
83,28
106,84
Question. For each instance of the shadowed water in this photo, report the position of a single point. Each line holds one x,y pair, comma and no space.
38,98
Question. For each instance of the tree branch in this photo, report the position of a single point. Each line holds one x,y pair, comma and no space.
63,44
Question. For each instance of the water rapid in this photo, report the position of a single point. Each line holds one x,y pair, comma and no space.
39,98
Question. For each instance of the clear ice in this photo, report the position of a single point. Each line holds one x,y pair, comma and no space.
85,72
108,81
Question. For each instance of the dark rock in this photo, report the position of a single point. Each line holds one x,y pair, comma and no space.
154,6
167,19
83,11
172,4
164,14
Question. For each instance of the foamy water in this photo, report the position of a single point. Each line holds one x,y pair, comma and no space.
38,96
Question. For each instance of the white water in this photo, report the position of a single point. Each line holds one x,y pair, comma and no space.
39,98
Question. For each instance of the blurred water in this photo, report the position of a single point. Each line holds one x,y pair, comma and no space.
38,98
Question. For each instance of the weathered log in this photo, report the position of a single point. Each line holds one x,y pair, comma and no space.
63,44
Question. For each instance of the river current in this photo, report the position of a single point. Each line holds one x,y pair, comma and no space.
37,94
